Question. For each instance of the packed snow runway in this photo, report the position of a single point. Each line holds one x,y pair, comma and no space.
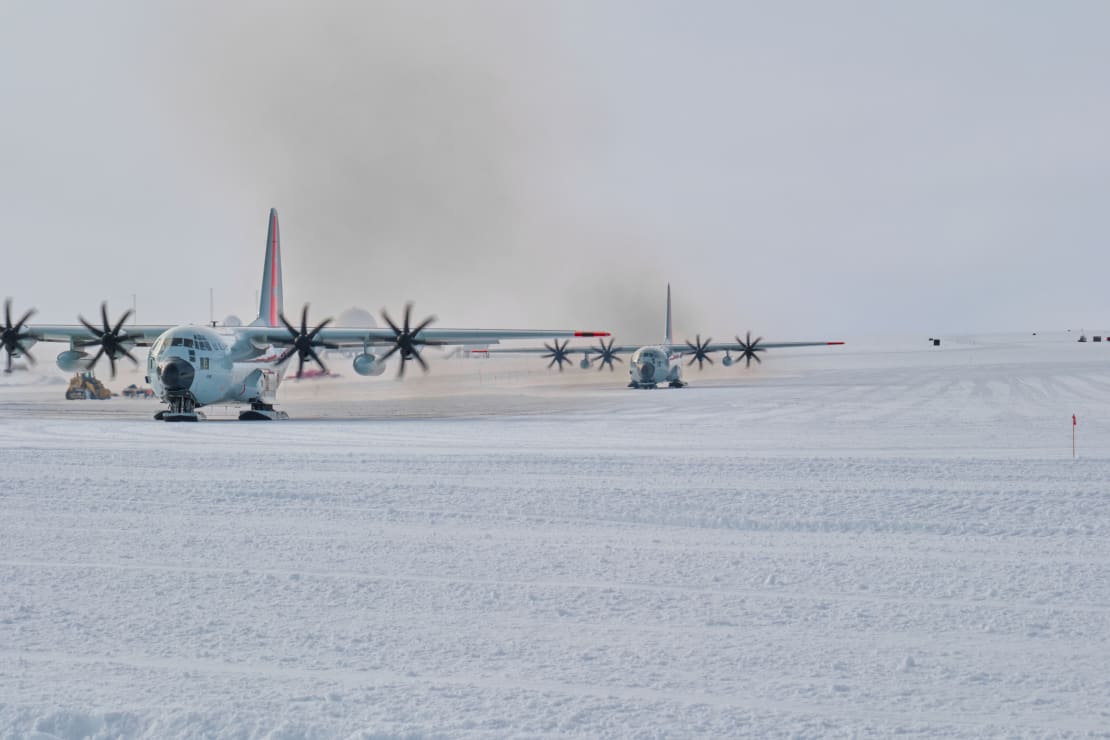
876,539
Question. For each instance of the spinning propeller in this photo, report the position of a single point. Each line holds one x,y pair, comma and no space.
405,341
606,355
557,354
11,336
749,349
698,347
304,342
108,339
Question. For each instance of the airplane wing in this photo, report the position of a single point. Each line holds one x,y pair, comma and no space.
357,337
106,332
747,348
758,346
587,350
560,353
405,337
405,341
139,336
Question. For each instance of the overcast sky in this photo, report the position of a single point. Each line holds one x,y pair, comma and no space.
808,170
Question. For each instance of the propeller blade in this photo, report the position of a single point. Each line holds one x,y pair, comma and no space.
92,329
128,354
286,354
390,322
287,324
23,351
104,315
304,319
22,321
8,314
112,364
300,366
406,339
119,324
316,358
316,331
423,325
390,353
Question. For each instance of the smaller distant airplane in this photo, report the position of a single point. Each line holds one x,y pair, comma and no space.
655,364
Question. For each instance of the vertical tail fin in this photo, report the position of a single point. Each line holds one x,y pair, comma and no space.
270,303
667,339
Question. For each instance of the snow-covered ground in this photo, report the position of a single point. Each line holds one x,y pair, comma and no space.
869,540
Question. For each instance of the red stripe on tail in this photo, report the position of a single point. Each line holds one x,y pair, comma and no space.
273,270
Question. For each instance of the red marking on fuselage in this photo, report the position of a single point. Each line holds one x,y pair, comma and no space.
591,333
832,343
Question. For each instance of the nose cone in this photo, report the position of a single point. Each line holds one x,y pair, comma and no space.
176,375
647,371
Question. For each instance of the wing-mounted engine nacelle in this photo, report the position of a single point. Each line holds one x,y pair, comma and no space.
73,360
367,364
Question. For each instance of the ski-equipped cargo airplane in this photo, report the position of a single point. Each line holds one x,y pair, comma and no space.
654,364
194,366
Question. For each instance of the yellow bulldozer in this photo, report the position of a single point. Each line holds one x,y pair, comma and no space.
85,386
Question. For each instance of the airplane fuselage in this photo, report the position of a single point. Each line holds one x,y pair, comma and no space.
650,366
212,367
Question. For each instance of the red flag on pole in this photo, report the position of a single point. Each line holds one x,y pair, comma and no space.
1073,422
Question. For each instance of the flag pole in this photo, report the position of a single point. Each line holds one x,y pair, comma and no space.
1073,425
